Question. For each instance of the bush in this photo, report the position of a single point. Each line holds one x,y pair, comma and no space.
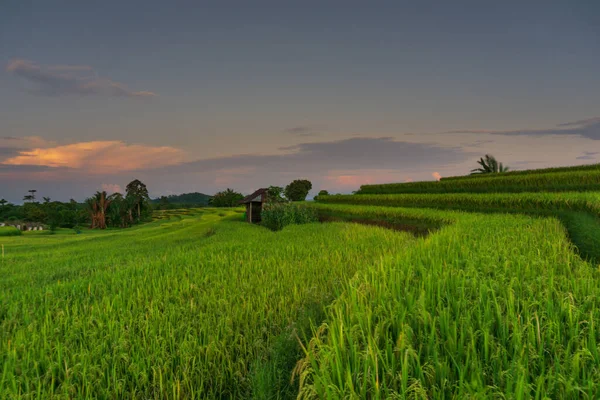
9,231
277,216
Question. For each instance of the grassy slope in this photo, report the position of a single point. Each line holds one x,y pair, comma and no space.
188,308
491,306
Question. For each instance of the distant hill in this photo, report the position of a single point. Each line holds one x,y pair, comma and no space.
186,198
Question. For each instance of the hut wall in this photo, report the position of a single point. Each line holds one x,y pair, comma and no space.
256,210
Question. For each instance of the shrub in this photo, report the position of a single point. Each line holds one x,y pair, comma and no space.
9,231
277,216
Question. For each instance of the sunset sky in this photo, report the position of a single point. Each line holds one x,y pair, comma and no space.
207,95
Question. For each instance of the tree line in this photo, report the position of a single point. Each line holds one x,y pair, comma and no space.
297,190
99,211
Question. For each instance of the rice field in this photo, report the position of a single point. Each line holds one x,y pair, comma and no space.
199,304
192,307
585,167
570,180
491,306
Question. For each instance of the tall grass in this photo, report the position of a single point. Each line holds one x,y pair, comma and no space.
184,308
492,306
585,180
573,201
9,231
279,215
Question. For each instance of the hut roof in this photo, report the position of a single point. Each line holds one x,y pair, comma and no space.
250,197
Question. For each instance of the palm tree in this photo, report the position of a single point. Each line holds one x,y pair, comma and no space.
46,200
97,207
489,165
28,197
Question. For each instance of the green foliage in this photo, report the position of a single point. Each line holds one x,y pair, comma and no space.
59,214
9,231
489,165
587,167
323,193
278,216
298,190
275,194
587,180
174,201
137,194
226,198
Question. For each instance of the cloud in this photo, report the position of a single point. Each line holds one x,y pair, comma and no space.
437,176
583,122
588,155
587,128
319,157
100,157
303,131
111,188
64,80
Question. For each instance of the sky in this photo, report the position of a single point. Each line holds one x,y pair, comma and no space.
206,95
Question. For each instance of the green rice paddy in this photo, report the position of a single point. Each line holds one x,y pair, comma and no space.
199,304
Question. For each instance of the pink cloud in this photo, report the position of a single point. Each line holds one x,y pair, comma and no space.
100,157
437,176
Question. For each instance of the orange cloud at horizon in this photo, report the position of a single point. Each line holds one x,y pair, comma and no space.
100,156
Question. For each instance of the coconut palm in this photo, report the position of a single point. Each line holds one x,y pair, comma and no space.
489,165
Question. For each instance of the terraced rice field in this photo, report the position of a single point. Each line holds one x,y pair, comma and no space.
199,304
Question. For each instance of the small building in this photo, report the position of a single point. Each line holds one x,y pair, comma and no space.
254,204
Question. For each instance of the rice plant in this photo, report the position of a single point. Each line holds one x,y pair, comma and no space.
577,180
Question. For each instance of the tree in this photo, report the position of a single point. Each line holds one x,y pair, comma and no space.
3,202
97,209
46,200
119,211
138,193
226,198
274,194
298,190
32,194
489,165
321,193
163,202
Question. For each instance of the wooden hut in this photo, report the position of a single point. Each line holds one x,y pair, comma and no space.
254,204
